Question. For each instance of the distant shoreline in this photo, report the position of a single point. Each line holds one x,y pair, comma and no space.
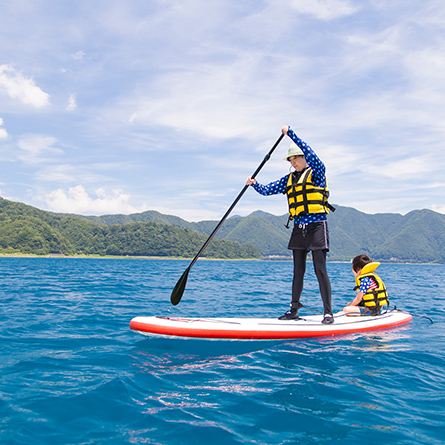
128,257
117,257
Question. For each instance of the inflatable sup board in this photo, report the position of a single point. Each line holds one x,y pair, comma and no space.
265,328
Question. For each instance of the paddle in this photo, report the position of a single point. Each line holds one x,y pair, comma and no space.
180,285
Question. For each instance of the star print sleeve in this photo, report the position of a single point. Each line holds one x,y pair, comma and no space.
274,188
315,163
365,283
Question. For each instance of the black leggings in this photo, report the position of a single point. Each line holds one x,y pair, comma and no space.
319,260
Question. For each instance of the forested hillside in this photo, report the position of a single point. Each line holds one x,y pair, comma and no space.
25,229
418,236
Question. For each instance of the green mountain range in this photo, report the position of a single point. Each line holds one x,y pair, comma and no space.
27,230
418,236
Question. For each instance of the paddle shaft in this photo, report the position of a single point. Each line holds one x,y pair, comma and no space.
266,158
180,285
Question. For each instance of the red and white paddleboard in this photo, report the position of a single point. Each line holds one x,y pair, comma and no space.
264,328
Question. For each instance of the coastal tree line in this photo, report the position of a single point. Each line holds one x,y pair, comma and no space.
418,236
25,229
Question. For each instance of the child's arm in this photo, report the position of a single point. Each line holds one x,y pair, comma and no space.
364,286
356,300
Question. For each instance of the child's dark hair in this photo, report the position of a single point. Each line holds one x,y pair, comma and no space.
360,261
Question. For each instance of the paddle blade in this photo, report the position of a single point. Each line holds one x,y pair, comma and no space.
179,288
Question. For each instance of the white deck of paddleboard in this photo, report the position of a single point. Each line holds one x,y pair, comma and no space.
264,328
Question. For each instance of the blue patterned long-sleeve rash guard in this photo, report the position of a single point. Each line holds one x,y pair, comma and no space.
318,178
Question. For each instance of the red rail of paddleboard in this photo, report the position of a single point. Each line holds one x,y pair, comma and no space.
263,334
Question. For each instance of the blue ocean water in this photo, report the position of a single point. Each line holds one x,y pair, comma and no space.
72,372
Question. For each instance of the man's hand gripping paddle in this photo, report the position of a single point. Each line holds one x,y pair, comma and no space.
180,285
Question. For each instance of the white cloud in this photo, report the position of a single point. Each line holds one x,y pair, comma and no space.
87,173
3,132
339,159
72,103
402,168
439,208
227,104
361,82
78,56
19,87
132,118
57,173
36,148
77,200
324,9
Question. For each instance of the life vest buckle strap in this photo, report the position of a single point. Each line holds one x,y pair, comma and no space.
288,221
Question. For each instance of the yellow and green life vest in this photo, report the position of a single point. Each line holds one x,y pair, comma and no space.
373,297
304,197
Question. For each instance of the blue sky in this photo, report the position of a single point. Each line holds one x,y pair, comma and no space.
125,106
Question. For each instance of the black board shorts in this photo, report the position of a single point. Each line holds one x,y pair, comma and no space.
312,236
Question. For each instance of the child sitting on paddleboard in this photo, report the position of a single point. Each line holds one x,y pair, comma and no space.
372,294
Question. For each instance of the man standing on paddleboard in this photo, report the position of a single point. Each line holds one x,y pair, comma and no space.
307,194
